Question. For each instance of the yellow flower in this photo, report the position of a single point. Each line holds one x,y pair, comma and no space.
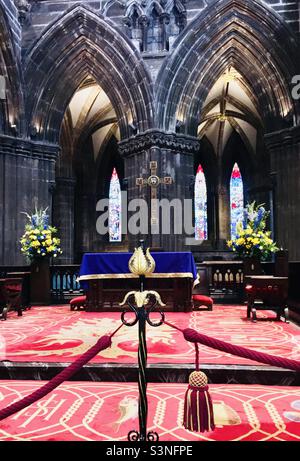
48,242
35,244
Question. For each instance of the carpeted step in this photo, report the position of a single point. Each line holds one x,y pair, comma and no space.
55,334
81,411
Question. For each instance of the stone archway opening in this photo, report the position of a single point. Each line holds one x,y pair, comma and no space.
89,138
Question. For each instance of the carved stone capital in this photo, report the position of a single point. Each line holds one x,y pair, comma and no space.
24,8
23,147
144,21
287,137
155,138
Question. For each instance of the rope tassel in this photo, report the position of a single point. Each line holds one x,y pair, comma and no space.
198,408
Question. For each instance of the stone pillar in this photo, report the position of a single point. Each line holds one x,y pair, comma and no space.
63,216
85,224
27,175
223,216
144,23
174,155
284,150
164,19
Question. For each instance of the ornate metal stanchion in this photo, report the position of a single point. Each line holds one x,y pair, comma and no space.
142,304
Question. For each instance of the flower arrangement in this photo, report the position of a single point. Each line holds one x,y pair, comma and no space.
39,240
252,239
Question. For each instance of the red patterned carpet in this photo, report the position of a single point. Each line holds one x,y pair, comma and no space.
81,411
55,334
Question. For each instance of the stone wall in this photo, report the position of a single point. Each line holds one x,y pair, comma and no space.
27,177
287,9
43,12
284,148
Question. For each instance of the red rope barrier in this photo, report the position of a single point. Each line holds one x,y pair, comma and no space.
67,373
197,357
194,337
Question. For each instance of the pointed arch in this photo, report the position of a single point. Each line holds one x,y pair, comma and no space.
132,7
155,5
236,199
233,37
201,232
79,44
178,4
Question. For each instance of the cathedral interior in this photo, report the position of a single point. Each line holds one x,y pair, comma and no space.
94,87
162,104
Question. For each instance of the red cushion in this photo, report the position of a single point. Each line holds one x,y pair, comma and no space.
250,288
79,300
202,299
13,288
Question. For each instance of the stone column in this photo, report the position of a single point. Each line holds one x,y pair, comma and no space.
63,216
164,20
174,155
27,175
284,150
144,23
223,216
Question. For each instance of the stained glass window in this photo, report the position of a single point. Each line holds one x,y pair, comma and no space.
236,199
200,205
115,230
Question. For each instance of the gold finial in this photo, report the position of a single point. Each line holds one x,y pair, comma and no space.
140,263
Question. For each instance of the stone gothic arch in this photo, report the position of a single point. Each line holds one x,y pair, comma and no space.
78,44
233,36
13,111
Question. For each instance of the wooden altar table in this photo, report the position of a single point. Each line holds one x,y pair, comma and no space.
106,280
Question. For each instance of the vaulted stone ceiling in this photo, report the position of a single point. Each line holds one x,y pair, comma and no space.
90,113
230,106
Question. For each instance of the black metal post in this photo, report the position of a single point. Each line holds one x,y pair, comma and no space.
142,360
142,317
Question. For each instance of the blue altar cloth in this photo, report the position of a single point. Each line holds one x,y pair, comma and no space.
112,265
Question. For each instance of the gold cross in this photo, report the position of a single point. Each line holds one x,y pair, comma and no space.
153,182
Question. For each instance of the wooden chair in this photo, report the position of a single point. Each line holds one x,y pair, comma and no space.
12,291
267,293
2,297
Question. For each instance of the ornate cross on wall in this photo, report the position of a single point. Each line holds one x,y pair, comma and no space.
153,182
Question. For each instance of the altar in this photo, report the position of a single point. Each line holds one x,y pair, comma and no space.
106,279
